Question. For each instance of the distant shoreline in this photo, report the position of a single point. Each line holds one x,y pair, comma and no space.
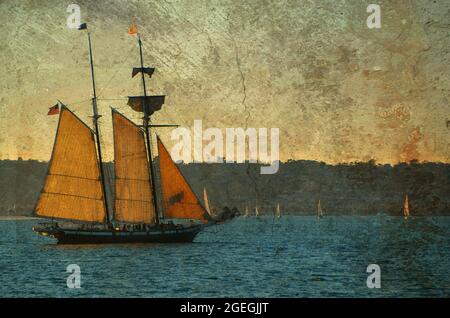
355,189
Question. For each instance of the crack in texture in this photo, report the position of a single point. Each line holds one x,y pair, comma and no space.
244,98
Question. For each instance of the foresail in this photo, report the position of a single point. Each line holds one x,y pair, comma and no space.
72,188
133,194
179,199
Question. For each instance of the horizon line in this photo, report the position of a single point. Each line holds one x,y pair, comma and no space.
375,163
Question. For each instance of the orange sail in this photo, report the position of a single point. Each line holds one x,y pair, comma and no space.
72,188
179,200
133,194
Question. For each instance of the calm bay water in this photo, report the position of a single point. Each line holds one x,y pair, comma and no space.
295,256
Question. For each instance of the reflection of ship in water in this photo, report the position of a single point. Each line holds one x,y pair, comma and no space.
75,190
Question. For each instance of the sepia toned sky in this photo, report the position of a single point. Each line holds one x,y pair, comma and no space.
337,90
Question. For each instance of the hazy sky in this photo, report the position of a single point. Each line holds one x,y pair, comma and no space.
337,90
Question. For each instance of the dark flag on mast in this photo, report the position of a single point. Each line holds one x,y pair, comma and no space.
82,26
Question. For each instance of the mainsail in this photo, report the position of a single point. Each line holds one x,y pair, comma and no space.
179,200
133,193
256,211
72,188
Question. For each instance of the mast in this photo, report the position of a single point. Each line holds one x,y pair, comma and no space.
146,120
95,118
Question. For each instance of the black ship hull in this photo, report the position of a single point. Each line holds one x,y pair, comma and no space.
108,236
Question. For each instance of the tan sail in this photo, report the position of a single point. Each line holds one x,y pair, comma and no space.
205,199
72,188
256,211
133,193
406,207
278,211
179,200
246,211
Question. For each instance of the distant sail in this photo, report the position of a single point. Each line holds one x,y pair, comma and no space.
179,200
319,210
246,211
205,199
72,188
256,211
133,193
406,207
278,211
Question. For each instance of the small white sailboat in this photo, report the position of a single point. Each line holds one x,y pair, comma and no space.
319,211
278,211
406,208
256,211
205,199
247,213
13,209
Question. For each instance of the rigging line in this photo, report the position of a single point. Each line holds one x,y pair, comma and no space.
78,102
113,99
115,73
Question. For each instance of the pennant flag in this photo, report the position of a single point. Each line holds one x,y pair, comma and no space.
146,70
132,30
82,26
54,110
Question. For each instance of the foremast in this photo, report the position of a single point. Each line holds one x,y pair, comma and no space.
95,117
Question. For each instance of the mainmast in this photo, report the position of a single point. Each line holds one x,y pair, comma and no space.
146,122
147,105
95,118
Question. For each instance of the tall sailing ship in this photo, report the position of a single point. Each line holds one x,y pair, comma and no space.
74,195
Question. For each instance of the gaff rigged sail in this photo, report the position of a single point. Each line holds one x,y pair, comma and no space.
133,193
72,188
